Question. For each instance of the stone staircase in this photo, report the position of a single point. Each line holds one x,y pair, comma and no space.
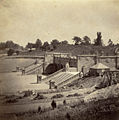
61,78
34,69
68,80
72,69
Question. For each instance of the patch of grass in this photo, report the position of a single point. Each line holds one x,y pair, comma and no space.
73,95
11,98
106,109
28,93
57,96
39,96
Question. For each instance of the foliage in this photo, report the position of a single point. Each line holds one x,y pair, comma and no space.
12,98
98,40
39,96
86,40
55,43
11,101
85,49
84,43
73,95
17,52
9,44
110,42
65,42
46,46
57,96
28,93
10,52
30,45
51,48
105,109
77,40
38,44
2,46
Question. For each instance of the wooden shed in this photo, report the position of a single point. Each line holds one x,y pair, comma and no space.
98,69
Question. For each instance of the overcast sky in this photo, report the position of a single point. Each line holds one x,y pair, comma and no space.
24,21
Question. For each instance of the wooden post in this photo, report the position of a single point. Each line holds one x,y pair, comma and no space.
67,67
53,58
17,68
39,78
96,58
117,60
78,62
23,71
51,84
44,63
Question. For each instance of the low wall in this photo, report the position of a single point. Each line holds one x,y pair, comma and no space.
83,60
86,62
72,61
108,61
48,59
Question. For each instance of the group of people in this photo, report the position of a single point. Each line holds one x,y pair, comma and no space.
53,105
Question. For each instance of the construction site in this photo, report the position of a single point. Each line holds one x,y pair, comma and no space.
59,69
68,80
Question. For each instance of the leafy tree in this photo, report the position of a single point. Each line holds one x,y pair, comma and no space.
65,42
17,52
46,46
55,43
51,48
38,44
86,40
30,45
110,42
2,46
77,40
16,46
10,52
9,44
98,40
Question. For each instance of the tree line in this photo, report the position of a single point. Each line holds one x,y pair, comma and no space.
39,45
9,45
87,41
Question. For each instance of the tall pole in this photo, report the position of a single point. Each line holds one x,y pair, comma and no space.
78,62
44,64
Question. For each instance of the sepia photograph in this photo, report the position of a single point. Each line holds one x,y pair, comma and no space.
59,59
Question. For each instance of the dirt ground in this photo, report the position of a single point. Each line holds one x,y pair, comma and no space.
95,101
14,82
80,101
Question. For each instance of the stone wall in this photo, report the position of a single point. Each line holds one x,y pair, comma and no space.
72,61
108,61
82,60
86,62
48,59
